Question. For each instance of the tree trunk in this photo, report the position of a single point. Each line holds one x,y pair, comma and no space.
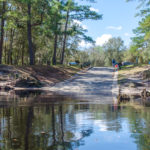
5,51
29,31
22,55
2,31
11,46
65,37
55,50
54,61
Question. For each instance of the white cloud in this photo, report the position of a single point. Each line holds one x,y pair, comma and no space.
84,27
115,28
80,24
77,22
103,39
93,9
84,44
127,34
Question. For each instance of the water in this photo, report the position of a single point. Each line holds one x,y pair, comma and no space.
60,123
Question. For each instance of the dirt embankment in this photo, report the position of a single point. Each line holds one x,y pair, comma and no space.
132,80
33,76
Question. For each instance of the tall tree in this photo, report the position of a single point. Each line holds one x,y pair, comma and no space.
29,35
76,12
65,36
2,28
69,3
56,30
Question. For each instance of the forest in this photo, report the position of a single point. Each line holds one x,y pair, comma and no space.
34,32
42,32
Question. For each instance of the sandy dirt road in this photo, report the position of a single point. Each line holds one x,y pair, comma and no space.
94,85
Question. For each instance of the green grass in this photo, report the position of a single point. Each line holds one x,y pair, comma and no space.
127,67
130,67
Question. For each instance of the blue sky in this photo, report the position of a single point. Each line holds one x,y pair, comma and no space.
118,20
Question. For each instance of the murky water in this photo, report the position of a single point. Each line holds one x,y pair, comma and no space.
44,123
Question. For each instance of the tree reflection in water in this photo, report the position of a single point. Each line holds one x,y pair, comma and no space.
70,126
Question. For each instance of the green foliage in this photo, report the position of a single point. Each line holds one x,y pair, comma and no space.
114,49
140,46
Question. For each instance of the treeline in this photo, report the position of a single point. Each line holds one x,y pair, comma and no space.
103,55
42,31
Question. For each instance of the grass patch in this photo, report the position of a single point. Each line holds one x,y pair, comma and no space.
130,70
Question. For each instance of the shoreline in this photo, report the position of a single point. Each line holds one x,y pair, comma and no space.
8,88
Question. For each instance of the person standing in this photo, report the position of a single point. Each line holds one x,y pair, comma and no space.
113,62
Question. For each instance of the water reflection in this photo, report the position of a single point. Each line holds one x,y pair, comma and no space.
63,124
